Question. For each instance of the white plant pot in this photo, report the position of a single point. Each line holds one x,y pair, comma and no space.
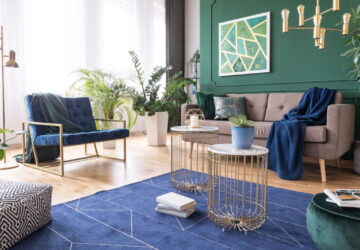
112,144
156,128
109,144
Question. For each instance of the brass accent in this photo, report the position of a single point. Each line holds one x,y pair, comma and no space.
285,16
301,11
336,5
191,112
322,38
43,167
189,159
346,19
237,195
10,63
318,31
317,23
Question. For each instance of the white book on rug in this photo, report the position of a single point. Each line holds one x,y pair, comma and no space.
165,207
183,214
176,201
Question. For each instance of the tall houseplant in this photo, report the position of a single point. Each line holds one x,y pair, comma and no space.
353,45
353,52
157,110
109,96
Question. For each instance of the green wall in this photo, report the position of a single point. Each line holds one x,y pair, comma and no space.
296,64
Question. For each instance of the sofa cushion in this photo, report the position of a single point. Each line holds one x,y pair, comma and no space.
206,103
262,130
226,107
82,137
312,133
280,104
224,126
255,105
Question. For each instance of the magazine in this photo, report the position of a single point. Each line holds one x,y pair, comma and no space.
344,197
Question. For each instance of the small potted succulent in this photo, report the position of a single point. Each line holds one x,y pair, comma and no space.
242,131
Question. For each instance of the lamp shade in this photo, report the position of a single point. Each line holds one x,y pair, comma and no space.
11,62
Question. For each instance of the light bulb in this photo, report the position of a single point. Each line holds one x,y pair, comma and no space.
322,38
346,19
336,5
301,11
317,23
285,16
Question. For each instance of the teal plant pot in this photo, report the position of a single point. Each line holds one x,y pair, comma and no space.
242,137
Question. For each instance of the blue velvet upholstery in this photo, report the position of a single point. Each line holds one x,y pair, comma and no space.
80,113
81,138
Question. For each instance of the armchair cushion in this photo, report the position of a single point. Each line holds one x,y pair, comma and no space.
82,137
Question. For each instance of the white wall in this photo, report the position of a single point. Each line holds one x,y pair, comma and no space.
192,31
192,28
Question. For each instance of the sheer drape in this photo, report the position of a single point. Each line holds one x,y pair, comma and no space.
53,38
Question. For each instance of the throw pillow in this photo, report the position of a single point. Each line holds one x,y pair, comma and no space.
206,103
226,107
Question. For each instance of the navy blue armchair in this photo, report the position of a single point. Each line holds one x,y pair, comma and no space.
80,113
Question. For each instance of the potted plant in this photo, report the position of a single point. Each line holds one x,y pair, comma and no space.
109,96
242,131
353,53
155,109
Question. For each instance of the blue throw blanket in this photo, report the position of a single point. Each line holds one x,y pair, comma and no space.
286,138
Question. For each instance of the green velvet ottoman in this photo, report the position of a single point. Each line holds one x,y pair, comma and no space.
332,227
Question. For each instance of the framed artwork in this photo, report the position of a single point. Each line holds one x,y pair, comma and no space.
244,45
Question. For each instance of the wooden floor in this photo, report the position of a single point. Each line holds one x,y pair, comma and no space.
89,176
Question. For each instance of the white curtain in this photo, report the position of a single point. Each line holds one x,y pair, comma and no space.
54,38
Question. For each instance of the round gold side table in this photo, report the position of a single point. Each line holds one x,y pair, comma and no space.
189,156
237,186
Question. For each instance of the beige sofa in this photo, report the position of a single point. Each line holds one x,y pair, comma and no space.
327,142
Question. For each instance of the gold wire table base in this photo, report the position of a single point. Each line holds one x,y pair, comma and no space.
189,157
237,194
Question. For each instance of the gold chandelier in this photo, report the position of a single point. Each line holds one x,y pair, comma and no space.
319,32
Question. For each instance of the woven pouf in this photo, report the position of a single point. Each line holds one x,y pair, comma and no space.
333,227
24,208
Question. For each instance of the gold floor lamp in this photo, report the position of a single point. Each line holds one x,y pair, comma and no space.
12,64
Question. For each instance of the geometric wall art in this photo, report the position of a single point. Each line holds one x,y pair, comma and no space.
244,45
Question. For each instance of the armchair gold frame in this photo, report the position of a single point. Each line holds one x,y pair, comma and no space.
43,167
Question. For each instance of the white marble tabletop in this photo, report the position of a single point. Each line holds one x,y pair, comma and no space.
229,149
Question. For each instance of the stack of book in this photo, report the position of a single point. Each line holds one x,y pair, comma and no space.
344,197
175,204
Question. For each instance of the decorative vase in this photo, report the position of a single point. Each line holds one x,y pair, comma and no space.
156,128
242,137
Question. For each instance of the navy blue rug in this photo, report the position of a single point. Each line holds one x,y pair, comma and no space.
124,218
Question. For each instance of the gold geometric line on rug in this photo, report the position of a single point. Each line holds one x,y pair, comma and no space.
277,238
131,222
198,235
182,228
285,221
281,205
104,244
62,236
291,237
116,204
109,226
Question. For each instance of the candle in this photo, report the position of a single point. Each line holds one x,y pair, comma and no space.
194,121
